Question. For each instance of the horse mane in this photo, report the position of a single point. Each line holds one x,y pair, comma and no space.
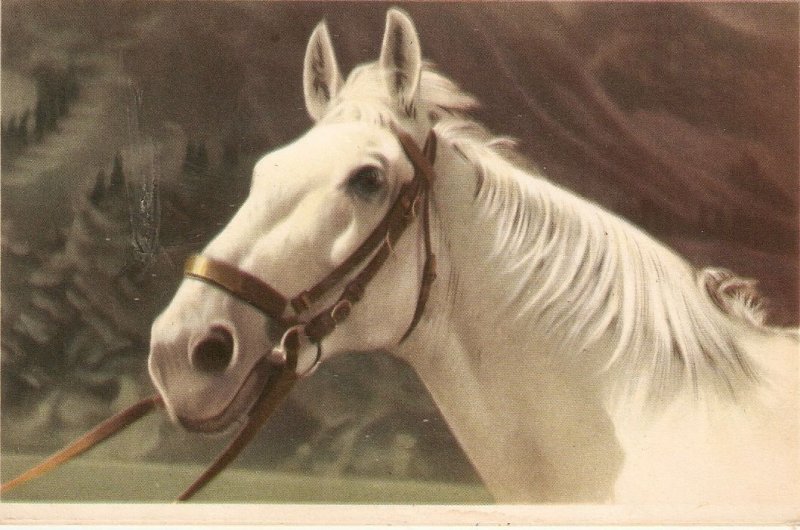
577,272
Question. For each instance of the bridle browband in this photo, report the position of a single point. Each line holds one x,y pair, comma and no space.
414,196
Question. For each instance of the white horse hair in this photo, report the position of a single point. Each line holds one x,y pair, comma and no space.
574,357
565,265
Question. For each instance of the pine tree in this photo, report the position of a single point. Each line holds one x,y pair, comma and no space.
72,83
189,159
116,185
98,193
230,156
78,327
146,219
56,89
4,128
201,161
61,98
9,140
47,94
22,128
40,119
196,160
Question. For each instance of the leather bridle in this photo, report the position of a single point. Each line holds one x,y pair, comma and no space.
280,367
414,196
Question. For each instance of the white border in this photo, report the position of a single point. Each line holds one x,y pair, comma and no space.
436,515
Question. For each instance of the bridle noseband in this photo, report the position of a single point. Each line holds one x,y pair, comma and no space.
414,196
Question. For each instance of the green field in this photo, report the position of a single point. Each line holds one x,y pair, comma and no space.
94,480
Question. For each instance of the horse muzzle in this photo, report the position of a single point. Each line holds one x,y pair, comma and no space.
205,385
236,409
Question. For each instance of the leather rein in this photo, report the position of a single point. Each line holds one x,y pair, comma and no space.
413,198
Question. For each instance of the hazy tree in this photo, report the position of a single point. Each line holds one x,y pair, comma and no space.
22,128
55,91
230,155
79,325
72,83
145,211
9,136
98,192
40,119
201,161
196,160
188,160
117,180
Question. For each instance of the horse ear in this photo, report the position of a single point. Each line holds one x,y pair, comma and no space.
401,58
321,77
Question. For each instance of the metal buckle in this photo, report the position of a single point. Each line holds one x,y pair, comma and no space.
289,344
341,310
414,211
317,360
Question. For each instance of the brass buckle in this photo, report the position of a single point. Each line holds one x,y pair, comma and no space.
317,360
414,211
285,353
288,346
341,310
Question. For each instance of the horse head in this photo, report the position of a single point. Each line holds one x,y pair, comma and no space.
322,220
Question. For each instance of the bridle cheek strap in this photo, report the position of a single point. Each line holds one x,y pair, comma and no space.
413,197
423,164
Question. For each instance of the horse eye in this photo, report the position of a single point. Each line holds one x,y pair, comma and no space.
366,182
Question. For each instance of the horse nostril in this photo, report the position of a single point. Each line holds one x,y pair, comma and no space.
213,353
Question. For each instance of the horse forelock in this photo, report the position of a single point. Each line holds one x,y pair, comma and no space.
365,97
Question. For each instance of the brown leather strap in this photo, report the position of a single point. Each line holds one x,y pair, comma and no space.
280,381
409,193
239,283
379,243
396,221
396,212
424,165
421,160
325,322
103,431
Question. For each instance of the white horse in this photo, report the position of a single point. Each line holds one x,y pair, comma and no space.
573,357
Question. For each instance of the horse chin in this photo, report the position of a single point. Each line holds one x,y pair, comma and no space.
237,409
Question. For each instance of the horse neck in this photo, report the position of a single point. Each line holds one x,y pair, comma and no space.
533,414
509,401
